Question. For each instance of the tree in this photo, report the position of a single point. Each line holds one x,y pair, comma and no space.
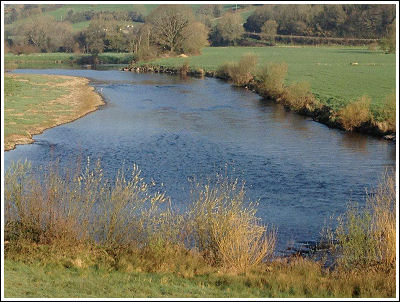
194,38
94,37
228,30
168,24
388,43
269,30
45,34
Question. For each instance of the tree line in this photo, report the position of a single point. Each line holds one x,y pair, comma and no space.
181,29
327,20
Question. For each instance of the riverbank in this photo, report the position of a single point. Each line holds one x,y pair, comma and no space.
51,60
34,103
317,110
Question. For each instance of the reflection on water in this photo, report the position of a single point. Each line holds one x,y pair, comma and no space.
355,141
300,171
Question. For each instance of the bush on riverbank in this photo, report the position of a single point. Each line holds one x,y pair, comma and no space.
83,208
298,96
355,114
240,73
367,236
388,114
226,230
271,80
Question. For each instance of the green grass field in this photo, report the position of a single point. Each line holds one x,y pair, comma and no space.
303,279
328,69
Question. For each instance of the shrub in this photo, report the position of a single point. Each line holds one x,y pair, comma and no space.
24,49
226,230
367,236
241,73
298,96
355,114
389,113
47,206
223,70
271,80
184,69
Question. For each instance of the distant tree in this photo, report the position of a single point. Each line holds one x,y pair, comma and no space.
94,37
256,20
194,38
36,32
388,43
168,24
45,34
228,30
269,31
142,45
336,20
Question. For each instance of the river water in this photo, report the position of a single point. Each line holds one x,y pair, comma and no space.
174,129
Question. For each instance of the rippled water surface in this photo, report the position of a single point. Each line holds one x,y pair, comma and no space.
300,171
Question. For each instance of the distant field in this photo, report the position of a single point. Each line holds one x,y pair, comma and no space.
60,60
328,69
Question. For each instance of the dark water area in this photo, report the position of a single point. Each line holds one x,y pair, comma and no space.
301,172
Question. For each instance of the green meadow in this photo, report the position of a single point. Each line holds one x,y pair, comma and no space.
333,79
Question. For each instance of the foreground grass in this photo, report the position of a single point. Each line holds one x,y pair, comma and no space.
300,278
333,80
33,103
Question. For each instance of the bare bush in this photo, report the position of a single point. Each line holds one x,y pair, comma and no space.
367,236
356,113
241,73
298,96
225,228
272,78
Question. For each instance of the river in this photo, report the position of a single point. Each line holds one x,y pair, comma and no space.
301,172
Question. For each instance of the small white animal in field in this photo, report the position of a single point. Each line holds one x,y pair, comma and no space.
354,63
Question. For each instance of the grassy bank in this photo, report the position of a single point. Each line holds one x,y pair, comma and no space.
34,103
299,278
75,233
328,69
59,60
334,77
